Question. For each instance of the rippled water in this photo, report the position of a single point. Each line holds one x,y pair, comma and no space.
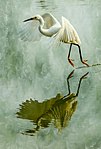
33,70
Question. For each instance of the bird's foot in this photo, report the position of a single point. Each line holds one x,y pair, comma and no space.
70,61
84,62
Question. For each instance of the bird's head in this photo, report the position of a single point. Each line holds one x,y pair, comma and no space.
36,17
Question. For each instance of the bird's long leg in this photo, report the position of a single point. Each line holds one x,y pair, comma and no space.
69,76
83,61
68,84
70,60
83,77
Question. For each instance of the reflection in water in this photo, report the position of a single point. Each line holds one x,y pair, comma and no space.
46,4
57,110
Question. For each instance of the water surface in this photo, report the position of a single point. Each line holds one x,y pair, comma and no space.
33,70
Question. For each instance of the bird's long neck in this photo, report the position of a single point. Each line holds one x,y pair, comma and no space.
48,31
41,22
41,29
44,31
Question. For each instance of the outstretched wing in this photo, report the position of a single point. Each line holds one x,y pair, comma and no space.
29,31
67,33
49,20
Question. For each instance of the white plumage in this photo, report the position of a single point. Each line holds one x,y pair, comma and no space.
48,25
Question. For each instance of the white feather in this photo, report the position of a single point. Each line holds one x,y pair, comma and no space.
67,33
29,31
49,20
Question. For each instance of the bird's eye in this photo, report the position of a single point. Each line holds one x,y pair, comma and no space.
35,17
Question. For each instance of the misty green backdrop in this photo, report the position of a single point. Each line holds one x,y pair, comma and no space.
36,70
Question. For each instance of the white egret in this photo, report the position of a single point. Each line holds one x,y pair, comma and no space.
48,25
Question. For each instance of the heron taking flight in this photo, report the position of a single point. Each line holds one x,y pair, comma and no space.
48,25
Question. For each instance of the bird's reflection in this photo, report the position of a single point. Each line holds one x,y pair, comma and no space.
57,110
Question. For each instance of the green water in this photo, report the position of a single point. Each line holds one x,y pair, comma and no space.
33,70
